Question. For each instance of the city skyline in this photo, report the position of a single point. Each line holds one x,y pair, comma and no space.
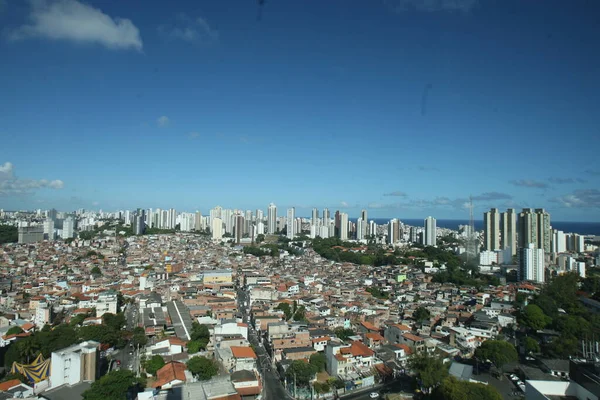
403,111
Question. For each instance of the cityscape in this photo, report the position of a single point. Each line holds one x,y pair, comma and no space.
299,200
248,294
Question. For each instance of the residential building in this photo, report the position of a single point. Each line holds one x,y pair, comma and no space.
531,264
217,228
272,219
75,364
491,232
429,237
290,223
508,231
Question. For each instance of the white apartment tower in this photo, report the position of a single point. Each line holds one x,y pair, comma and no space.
429,237
491,220
343,226
217,228
508,231
290,223
272,219
68,228
531,264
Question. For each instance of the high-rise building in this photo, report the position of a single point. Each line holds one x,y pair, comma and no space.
337,223
343,228
30,234
531,264
217,228
393,231
429,237
534,227
559,241
363,215
508,231
272,219
239,228
291,223
138,225
68,228
315,216
49,229
360,229
372,229
326,217
198,225
491,221
260,215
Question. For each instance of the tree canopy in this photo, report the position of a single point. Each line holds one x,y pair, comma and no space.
8,234
453,389
533,317
319,361
302,372
155,363
113,385
421,314
202,367
430,370
499,352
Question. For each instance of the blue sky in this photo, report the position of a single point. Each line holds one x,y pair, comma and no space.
404,107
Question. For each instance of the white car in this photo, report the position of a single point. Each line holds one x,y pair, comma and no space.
374,395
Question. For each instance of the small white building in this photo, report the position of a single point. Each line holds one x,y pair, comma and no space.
74,364
106,303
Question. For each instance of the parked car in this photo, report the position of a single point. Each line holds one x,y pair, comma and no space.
374,395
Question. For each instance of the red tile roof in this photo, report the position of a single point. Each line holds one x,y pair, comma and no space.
243,352
172,371
4,386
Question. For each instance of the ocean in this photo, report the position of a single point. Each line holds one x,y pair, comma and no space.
582,228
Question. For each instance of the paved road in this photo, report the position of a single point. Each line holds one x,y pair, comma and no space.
272,387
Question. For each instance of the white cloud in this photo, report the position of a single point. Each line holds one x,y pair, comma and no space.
95,203
431,5
163,120
10,184
78,22
193,135
193,30
343,204
586,198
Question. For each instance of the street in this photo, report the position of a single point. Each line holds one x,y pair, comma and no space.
272,387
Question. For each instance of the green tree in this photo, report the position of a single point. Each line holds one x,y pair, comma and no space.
534,318
453,389
531,345
114,321
285,307
302,372
13,330
28,348
321,387
319,361
8,234
343,333
195,346
96,271
300,314
139,337
259,238
113,385
499,352
155,363
430,370
202,367
421,314
77,319
563,346
200,332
